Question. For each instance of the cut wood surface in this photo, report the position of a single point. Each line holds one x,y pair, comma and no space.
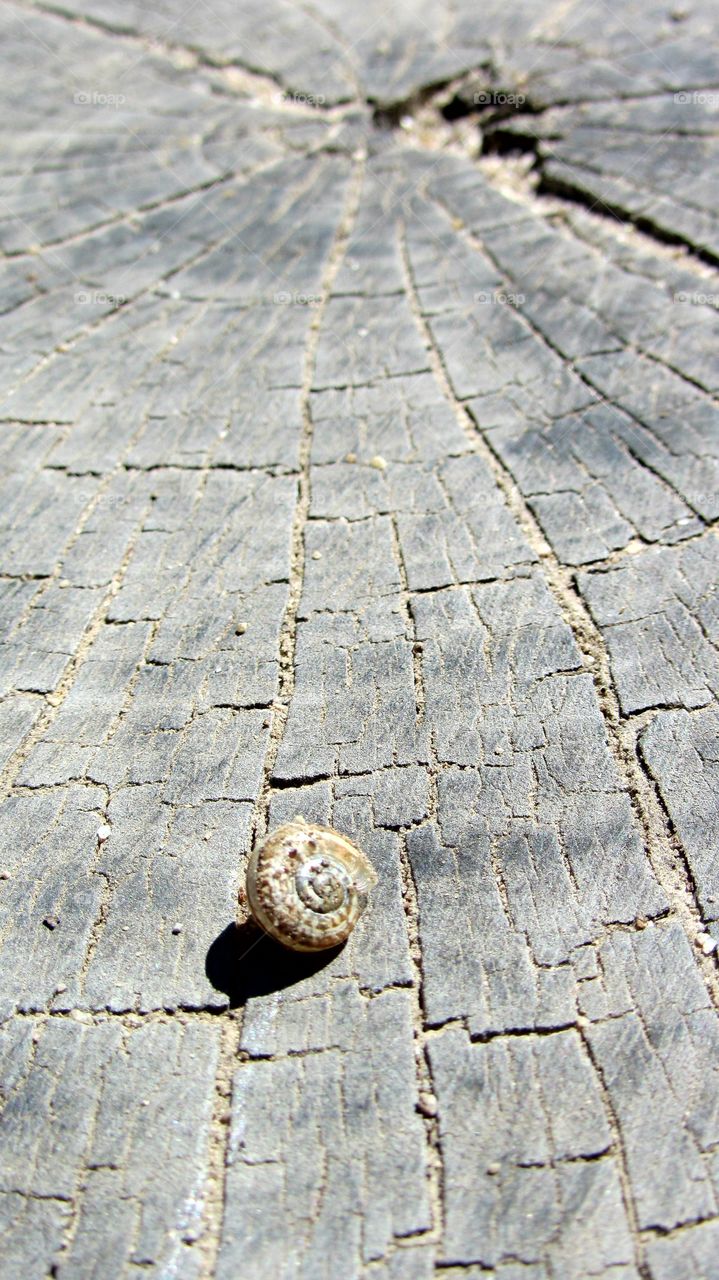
360,459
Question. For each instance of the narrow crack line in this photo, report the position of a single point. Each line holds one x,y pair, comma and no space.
125,219
83,1166
9,1091
335,33
108,886
46,1197
213,1209
419,692
151,45
536,1031
124,310
131,1017
621,1157
118,313
643,462
67,680
427,1101
622,343
261,79
98,924
562,584
288,628
639,544
498,872
664,363
267,468
48,580
583,377
215,1206
649,1234
633,732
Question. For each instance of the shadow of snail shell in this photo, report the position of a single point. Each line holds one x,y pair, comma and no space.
307,885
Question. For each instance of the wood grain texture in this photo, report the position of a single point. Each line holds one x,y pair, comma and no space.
360,460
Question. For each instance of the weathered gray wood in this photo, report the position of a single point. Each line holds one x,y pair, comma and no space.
360,459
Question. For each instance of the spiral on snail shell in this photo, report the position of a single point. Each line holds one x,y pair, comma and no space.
307,885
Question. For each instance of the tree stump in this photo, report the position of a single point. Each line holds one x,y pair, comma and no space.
360,462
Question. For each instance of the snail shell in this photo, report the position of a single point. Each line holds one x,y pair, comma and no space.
307,885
